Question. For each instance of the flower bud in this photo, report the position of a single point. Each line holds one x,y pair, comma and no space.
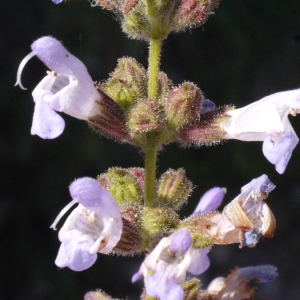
173,188
110,121
127,83
143,117
164,85
157,220
191,13
136,25
199,227
207,130
130,242
98,295
123,186
191,288
183,105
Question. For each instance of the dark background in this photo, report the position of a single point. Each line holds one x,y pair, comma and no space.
247,50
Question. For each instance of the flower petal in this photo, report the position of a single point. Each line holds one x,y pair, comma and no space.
46,123
161,284
200,262
210,201
181,241
73,251
279,150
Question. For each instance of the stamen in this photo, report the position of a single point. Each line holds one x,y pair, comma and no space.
64,210
21,66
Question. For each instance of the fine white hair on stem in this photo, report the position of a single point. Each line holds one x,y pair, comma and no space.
64,210
21,66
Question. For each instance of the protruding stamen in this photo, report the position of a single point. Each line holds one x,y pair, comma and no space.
64,210
21,66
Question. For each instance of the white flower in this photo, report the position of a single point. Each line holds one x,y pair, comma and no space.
67,88
95,225
267,120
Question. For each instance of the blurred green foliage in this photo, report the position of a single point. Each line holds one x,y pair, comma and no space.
247,50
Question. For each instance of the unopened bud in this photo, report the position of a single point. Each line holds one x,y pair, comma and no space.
207,131
111,121
130,242
106,4
139,175
199,227
127,83
183,105
191,13
121,185
191,288
173,188
143,117
98,295
136,24
164,85
157,220
129,5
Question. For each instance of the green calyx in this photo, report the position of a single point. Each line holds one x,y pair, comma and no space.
122,185
127,83
199,228
173,189
158,220
191,288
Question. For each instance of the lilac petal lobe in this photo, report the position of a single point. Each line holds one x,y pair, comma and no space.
73,252
55,56
279,150
181,241
57,1
210,201
200,262
161,284
46,123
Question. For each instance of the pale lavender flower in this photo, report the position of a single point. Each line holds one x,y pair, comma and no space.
267,120
168,264
57,1
210,201
67,88
95,225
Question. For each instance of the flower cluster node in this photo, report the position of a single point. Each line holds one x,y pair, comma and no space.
156,19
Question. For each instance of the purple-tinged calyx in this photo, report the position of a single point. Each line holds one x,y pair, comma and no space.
95,225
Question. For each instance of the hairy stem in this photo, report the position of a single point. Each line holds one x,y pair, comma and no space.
154,58
152,142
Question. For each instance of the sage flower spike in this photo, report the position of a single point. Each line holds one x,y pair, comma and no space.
267,120
95,225
67,88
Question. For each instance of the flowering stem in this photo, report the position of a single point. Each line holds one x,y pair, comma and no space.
154,57
152,141
150,168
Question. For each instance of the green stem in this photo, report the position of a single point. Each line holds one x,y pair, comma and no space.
154,58
152,143
150,169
